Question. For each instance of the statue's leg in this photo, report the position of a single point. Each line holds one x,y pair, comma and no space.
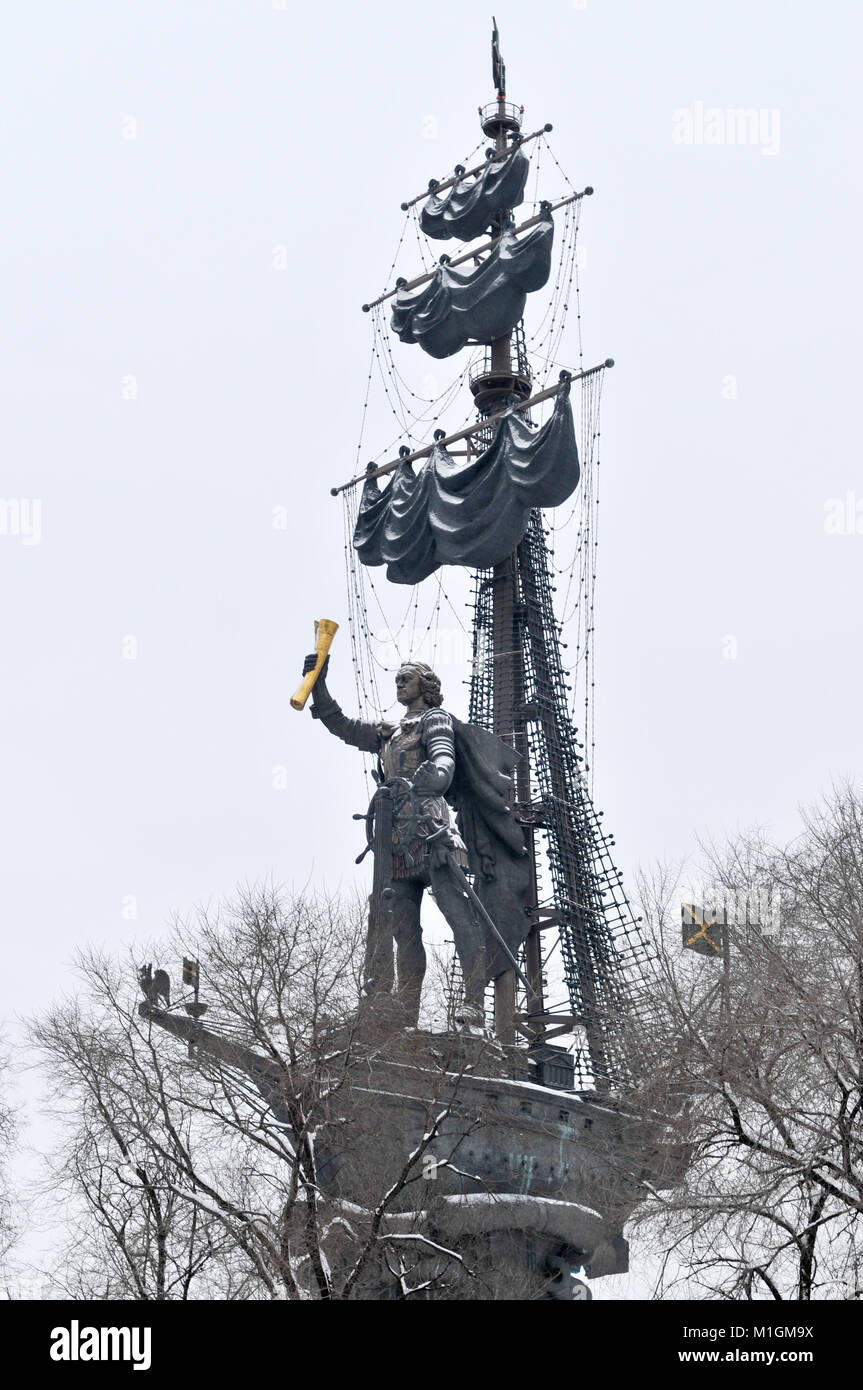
468,934
410,953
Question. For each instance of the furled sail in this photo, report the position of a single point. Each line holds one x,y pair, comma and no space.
467,208
468,512
479,304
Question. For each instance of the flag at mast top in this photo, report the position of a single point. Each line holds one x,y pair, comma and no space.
498,68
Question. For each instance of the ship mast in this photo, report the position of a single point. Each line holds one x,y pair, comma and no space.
494,390
523,641
518,686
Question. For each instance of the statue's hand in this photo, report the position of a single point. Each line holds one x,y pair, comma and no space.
309,664
320,695
430,780
439,855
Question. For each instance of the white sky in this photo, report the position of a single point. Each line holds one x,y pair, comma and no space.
305,127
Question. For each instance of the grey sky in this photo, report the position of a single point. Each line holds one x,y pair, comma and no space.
152,258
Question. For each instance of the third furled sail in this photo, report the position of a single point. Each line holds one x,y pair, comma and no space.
471,512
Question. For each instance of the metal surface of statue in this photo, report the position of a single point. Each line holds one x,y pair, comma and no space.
424,759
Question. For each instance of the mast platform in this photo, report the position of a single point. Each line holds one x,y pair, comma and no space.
502,117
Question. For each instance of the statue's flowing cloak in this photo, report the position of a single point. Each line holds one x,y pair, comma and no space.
495,841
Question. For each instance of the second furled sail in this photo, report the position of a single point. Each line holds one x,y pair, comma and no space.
459,305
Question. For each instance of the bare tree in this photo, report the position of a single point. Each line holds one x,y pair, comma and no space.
265,1151
755,1061
8,1136
128,1231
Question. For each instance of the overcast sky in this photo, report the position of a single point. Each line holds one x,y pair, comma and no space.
166,386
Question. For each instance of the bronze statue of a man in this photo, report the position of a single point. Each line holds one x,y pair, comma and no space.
417,757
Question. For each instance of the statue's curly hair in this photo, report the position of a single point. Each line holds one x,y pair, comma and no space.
429,682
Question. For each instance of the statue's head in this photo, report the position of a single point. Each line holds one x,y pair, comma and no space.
415,680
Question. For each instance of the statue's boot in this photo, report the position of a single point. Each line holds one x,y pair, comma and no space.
410,952
408,1001
381,1012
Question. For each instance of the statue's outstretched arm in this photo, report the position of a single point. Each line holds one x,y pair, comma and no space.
353,731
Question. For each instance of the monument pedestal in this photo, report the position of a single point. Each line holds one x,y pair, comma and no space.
524,1183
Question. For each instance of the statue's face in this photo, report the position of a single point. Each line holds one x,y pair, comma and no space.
408,686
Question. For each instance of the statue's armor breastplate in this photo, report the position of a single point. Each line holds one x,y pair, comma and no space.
402,753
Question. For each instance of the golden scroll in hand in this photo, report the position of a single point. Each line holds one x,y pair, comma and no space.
325,631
